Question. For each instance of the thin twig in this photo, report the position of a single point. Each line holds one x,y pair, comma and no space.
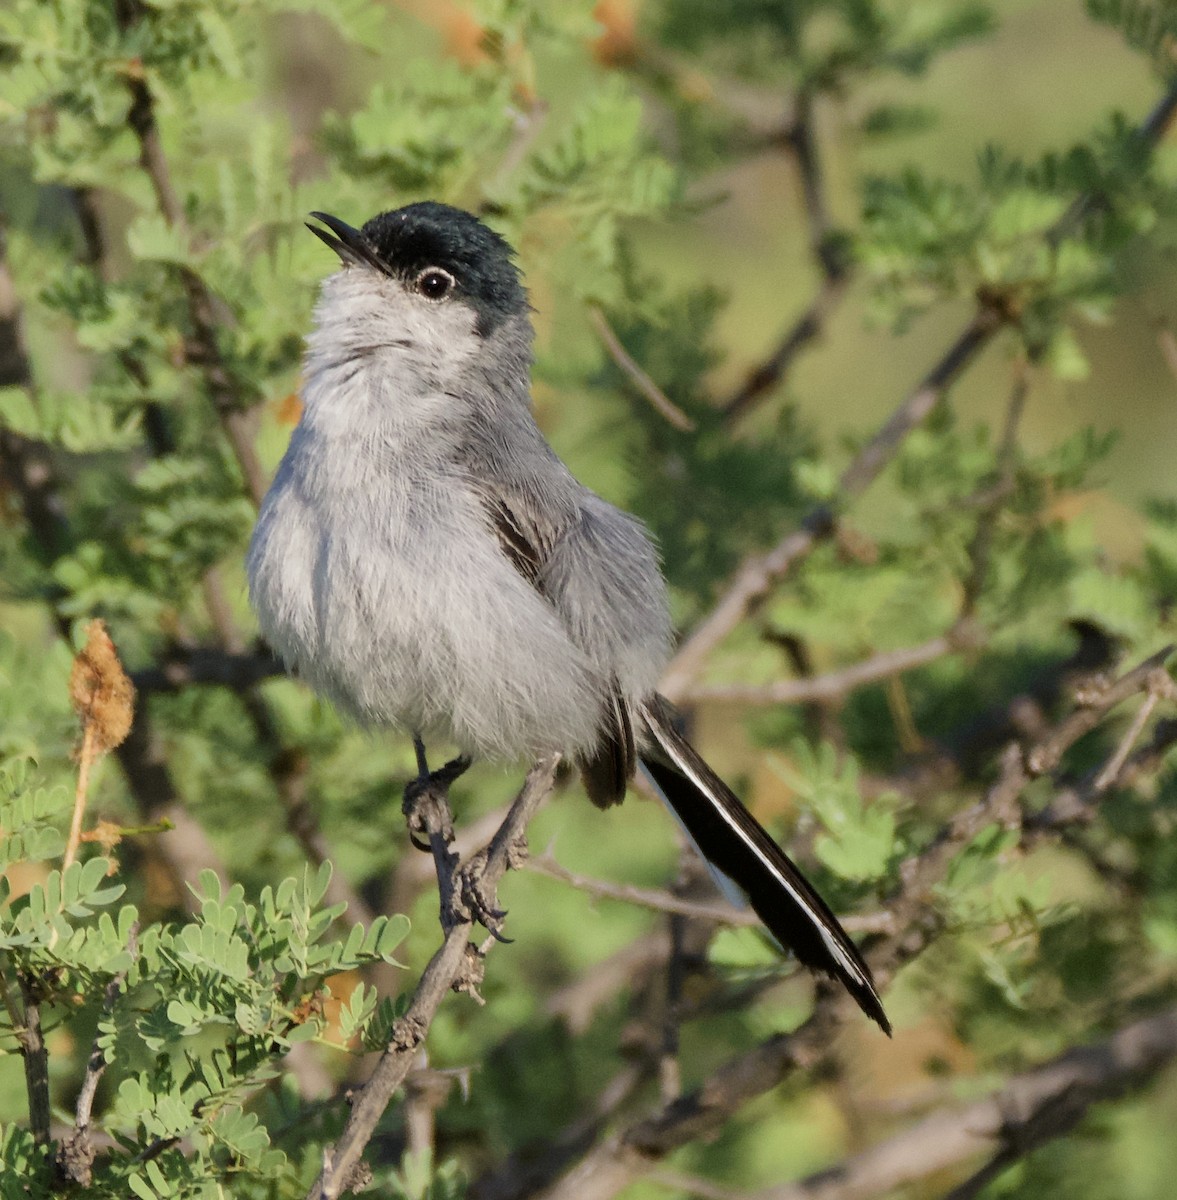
658,399
836,684
529,123
1111,770
665,902
425,1092
85,761
1096,702
75,1155
1168,347
801,141
980,549
577,1002
1076,805
693,1186
772,371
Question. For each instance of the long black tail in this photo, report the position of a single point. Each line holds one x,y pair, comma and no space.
736,845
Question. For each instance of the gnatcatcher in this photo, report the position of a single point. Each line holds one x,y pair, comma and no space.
425,560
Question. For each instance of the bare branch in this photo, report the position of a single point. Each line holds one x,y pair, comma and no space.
658,399
1030,1110
1097,701
799,138
771,373
693,1186
26,1027
196,665
721,913
425,1092
760,573
836,684
1111,770
577,1002
529,123
802,140
450,966
1168,347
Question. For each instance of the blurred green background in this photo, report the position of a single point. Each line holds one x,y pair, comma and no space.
699,277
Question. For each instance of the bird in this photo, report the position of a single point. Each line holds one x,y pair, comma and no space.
426,561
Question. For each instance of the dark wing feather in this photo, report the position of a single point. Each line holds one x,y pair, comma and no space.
521,544
607,774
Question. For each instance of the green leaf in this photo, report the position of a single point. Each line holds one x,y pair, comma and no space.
1065,356
151,239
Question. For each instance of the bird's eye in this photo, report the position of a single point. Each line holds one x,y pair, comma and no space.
433,283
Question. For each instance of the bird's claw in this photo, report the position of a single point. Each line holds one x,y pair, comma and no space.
481,901
420,792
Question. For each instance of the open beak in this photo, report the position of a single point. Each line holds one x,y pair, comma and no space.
349,243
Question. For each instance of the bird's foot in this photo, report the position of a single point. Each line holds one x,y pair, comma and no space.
425,803
478,898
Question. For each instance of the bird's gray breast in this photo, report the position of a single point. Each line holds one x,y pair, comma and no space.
380,579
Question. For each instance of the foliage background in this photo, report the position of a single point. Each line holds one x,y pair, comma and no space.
648,161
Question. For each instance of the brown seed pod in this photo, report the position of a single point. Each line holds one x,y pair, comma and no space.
102,695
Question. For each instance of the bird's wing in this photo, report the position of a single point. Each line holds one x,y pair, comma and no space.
734,843
527,542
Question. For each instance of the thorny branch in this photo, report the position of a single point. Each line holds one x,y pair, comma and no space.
758,575
455,965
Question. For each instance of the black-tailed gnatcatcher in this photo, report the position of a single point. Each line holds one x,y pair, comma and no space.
425,560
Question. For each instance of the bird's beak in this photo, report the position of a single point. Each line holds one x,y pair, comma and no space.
349,243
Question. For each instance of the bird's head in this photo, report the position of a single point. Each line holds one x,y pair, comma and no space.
426,284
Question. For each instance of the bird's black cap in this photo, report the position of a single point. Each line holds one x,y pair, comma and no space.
406,241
